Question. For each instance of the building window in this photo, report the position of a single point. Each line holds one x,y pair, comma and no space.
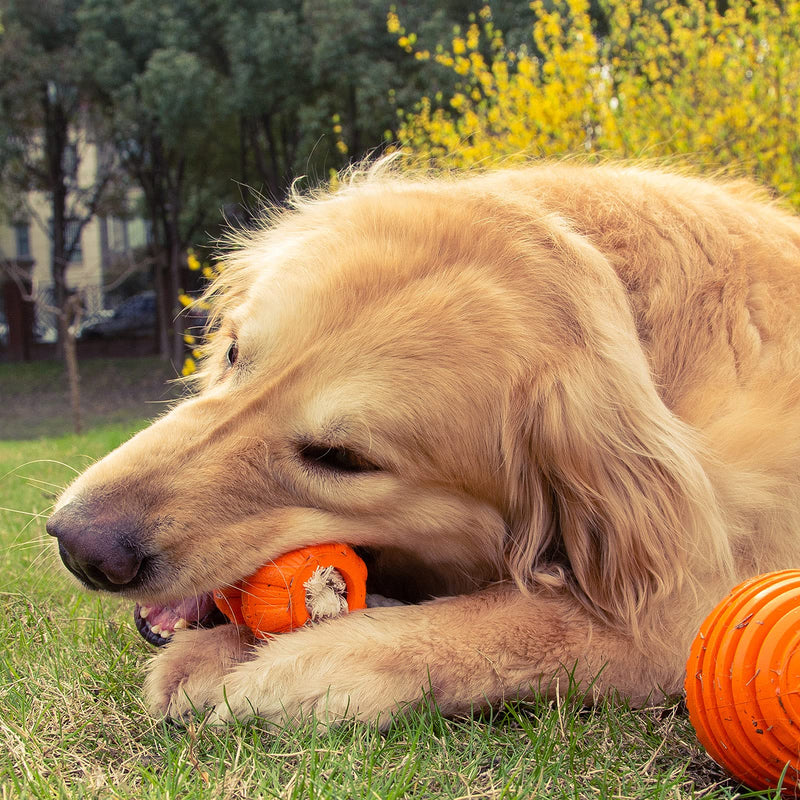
72,239
72,234
22,235
118,235
70,161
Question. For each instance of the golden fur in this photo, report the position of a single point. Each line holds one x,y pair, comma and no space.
575,393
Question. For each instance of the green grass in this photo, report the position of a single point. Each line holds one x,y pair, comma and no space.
72,723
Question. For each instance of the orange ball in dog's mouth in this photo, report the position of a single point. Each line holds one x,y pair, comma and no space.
301,587
305,585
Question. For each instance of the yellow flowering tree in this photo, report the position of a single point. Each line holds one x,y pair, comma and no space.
514,103
723,89
668,79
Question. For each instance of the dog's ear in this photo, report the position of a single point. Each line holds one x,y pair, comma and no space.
612,498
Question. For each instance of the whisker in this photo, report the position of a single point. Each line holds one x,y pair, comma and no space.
43,540
38,563
40,461
40,514
44,559
58,486
30,545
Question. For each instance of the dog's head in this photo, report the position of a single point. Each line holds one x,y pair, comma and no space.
444,377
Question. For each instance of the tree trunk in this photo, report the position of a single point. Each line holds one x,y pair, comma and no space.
67,307
174,207
177,317
67,323
162,306
56,134
355,129
151,177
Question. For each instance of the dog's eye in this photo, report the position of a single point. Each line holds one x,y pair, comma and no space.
341,459
233,353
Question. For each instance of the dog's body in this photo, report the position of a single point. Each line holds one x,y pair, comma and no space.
563,400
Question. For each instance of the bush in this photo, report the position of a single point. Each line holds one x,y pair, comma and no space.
717,88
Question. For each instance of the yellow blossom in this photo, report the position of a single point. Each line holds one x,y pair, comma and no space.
393,22
668,79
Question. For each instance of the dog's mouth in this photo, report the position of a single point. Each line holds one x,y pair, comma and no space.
158,623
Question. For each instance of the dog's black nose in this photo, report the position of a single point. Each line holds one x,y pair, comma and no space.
98,551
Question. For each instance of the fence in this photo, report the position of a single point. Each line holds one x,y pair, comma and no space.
45,328
109,325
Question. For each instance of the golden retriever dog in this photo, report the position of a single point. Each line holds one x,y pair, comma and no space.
554,408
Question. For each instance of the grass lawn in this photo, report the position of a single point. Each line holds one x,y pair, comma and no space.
72,724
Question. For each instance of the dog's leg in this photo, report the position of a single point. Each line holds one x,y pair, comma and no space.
188,675
460,653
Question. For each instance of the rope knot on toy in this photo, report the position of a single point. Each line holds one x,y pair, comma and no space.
326,594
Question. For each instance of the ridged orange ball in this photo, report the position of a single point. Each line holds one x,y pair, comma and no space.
743,682
273,599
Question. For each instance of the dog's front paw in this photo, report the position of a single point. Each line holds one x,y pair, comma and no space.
189,674
280,688
333,672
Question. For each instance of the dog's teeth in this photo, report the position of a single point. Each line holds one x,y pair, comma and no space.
144,611
166,634
181,624
156,629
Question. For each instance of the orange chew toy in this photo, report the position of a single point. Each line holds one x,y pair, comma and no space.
273,599
743,682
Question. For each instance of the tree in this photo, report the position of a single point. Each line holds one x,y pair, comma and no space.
171,121
47,130
267,54
361,79
201,94
300,71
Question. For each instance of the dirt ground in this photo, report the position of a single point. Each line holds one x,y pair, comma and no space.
34,398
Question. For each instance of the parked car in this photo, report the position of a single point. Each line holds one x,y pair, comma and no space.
135,316
45,333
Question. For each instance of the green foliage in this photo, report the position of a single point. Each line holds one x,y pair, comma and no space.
198,96
47,102
261,79
169,110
